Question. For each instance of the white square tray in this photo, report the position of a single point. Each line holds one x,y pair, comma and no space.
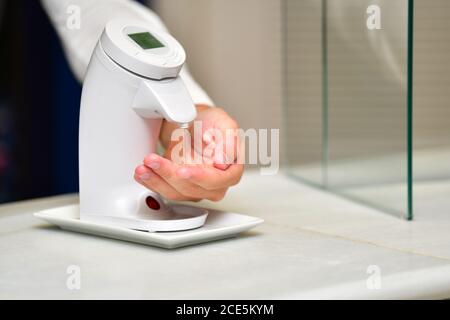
219,225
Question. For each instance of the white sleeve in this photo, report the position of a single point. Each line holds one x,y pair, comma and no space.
79,43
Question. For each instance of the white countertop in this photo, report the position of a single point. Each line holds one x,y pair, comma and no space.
312,245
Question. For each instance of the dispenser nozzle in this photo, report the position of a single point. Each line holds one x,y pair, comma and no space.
167,98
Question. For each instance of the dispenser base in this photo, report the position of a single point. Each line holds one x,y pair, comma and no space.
180,218
218,225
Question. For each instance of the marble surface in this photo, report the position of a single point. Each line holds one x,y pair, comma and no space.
313,245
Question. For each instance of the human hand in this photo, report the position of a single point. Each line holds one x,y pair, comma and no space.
193,181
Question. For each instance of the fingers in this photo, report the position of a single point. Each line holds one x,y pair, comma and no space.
216,134
162,166
168,172
210,178
225,143
151,180
231,142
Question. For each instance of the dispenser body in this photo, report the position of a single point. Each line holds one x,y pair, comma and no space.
113,140
129,87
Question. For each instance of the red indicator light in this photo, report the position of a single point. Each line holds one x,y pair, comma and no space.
152,203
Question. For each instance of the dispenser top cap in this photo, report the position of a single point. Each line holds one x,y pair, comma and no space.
142,49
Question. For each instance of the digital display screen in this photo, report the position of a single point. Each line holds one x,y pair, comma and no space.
146,40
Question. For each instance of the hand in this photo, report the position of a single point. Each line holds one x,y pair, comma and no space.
211,179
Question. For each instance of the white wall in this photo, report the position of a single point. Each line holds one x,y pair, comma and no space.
233,50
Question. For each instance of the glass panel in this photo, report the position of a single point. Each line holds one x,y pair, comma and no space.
303,89
367,71
431,127
348,98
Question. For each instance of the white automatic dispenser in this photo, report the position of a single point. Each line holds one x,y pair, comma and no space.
132,82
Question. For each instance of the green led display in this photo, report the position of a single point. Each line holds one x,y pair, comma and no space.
145,40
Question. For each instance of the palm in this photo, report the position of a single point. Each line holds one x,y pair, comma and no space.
210,152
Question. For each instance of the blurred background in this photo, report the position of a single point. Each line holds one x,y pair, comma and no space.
233,51
260,60
39,103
